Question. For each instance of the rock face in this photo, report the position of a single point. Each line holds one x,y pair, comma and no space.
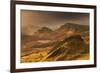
67,49
73,27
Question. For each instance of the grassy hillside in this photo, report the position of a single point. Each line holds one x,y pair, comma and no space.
71,48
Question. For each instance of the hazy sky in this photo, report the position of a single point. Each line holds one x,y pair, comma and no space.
31,21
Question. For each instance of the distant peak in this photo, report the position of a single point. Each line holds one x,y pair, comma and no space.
45,30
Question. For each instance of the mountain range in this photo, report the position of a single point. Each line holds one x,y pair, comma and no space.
45,33
61,32
67,42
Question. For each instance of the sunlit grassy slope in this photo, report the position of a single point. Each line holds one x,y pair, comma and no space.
71,48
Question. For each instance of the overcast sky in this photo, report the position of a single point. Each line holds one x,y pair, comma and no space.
31,20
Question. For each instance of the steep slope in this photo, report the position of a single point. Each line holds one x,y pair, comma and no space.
67,49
